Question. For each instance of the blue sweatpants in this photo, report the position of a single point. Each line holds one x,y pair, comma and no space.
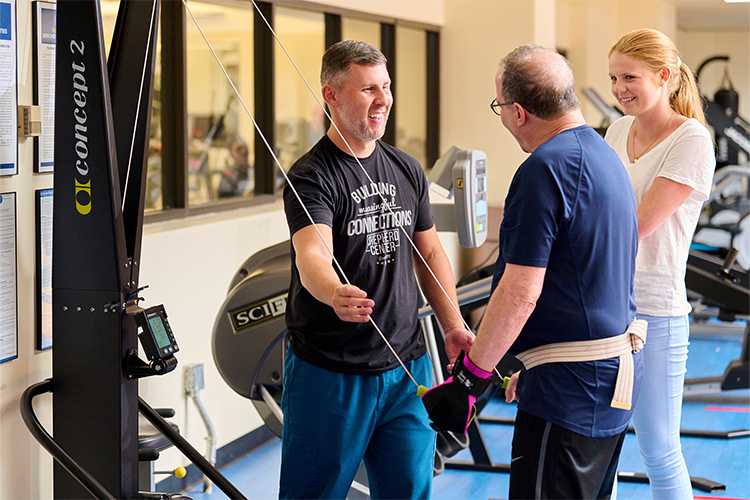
334,421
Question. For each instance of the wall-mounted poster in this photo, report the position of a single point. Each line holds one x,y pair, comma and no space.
43,269
45,36
8,90
8,278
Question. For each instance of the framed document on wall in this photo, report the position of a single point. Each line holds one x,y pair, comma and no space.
8,90
8,278
45,35
43,269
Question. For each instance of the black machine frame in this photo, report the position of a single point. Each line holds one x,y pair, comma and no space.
97,228
102,123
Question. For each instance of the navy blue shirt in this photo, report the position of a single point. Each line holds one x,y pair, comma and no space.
571,209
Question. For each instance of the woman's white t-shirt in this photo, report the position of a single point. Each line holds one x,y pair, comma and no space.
686,156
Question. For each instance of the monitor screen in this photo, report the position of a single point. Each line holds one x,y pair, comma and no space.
160,332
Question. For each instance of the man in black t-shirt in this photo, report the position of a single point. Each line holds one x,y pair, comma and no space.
346,397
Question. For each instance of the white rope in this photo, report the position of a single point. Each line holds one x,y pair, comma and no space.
382,198
296,194
138,108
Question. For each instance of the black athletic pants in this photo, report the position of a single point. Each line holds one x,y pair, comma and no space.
549,461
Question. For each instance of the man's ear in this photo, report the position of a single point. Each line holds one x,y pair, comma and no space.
330,95
519,114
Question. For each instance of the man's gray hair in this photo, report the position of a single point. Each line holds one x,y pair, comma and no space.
340,55
544,86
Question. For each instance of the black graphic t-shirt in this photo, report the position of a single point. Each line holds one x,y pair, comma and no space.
371,249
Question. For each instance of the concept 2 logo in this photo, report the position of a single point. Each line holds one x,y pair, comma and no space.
80,93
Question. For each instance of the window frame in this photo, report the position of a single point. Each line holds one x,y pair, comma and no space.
174,100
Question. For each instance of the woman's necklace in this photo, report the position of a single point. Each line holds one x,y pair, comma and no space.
635,129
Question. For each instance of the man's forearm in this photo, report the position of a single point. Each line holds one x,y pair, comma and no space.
314,262
319,278
509,308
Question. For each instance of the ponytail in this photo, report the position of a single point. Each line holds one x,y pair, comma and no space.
685,98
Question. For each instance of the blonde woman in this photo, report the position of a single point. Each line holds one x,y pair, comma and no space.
668,153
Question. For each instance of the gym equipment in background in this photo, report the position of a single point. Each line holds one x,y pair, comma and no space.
724,292
724,221
731,131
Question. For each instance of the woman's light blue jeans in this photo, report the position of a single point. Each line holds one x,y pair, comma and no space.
659,408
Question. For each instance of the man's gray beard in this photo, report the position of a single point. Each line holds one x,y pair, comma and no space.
358,128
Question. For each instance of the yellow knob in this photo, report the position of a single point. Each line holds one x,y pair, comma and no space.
180,472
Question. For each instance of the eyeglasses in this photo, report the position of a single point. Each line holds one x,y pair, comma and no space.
496,106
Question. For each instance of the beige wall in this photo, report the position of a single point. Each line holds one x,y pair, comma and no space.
697,46
476,35
188,264
423,11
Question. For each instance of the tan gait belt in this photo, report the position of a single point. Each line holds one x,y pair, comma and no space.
623,345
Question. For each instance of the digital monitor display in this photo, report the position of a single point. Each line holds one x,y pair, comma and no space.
160,332
481,208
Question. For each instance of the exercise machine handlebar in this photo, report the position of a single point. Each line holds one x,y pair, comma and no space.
87,480
467,294
58,453
187,449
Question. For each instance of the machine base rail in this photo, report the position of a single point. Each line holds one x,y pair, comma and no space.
476,467
187,449
739,433
699,483
48,442
87,480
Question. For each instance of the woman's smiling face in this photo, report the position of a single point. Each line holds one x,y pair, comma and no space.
636,87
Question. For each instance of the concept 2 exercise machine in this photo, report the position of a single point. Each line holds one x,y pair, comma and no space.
102,122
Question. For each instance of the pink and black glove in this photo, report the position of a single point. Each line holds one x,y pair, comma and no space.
451,404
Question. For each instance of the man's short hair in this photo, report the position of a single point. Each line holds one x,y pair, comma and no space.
340,55
545,90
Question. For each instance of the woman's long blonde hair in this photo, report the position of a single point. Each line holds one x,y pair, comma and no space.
656,50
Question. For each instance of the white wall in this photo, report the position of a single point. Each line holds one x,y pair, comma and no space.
188,266
24,467
476,35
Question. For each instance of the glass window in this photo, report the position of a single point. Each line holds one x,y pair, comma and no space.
360,29
220,133
410,86
299,119
109,10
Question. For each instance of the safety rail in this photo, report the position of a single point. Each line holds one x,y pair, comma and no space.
187,449
467,294
87,480
58,453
